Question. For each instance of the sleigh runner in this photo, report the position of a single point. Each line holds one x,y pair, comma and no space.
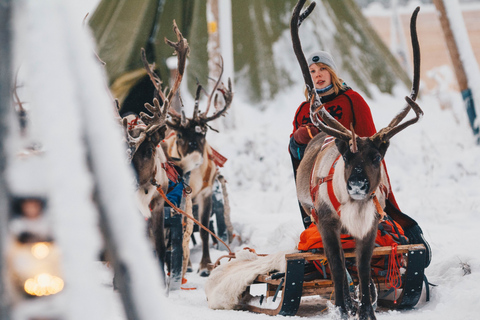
287,288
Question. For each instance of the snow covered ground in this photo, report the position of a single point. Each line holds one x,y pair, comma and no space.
435,174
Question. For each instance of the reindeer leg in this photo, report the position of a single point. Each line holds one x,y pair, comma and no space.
329,228
158,231
205,211
364,250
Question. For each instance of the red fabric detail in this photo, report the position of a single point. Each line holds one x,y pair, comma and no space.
169,168
311,239
302,116
341,110
387,239
218,158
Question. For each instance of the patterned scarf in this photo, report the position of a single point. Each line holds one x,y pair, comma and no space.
325,91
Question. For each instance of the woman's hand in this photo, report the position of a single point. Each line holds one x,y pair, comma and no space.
305,133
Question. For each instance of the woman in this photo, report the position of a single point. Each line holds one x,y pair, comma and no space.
342,102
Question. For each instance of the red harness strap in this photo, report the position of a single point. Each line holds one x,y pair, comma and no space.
172,174
217,157
331,194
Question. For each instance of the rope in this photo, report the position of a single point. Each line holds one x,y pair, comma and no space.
379,208
159,189
393,278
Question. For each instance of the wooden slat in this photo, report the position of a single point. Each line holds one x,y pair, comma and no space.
380,251
263,278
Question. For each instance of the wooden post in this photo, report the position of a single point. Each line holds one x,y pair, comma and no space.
452,47
220,47
5,98
214,61
458,66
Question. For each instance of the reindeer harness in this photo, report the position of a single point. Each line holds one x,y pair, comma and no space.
218,159
314,186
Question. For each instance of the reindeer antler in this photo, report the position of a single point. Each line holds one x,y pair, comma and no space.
334,127
201,118
295,23
227,97
181,50
393,127
158,118
214,87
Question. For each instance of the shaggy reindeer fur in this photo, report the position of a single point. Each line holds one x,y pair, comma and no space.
202,175
228,281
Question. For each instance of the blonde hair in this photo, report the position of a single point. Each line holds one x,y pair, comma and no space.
336,81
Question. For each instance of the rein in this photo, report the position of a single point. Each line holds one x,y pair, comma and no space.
174,207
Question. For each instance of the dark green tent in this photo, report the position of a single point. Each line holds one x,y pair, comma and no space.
263,59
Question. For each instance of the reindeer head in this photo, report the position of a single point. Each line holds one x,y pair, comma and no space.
362,172
191,132
144,134
362,155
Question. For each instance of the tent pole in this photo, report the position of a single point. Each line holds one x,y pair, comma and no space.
458,65
5,98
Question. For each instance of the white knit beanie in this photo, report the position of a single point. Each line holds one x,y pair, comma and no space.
323,57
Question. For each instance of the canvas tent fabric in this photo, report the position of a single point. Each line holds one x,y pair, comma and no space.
261,40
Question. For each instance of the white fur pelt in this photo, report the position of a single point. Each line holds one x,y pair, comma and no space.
228,281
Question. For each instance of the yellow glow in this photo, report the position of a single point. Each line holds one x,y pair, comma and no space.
212,27
40,250
43,284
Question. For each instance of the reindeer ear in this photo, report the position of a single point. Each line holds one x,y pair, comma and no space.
382,148
342,146
381,144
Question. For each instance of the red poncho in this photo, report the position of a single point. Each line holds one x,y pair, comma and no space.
347,107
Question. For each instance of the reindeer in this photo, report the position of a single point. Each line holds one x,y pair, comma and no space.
188,148
352,170
144,135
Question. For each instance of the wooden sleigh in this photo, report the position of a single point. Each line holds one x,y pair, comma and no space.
288,288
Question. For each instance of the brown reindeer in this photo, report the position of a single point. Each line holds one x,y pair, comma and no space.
351,169
188,148
144,135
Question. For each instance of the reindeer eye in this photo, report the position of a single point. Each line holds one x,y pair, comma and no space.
376,160
149,152
179,135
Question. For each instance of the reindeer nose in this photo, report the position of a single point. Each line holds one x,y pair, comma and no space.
193,144
357,185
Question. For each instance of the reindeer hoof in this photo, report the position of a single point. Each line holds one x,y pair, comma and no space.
366,313
204,272
189,269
